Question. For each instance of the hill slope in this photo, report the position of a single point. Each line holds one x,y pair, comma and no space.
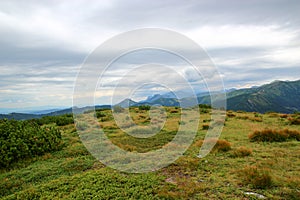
278,96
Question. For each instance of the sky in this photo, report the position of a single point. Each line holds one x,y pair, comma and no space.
43,44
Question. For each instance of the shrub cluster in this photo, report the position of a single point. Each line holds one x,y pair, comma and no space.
100,114
230,114
23,139
294,120
205,106
270,135
205,127
144,107
61,120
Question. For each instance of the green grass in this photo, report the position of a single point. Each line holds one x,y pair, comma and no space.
268,168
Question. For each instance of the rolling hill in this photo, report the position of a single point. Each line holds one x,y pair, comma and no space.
278,96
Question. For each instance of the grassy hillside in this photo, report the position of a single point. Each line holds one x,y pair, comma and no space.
236,165
279,96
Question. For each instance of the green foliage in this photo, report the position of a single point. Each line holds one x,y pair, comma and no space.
280,96
61,120
270,135
204,106
73,173
22,139
144,107
100,184
205,126
100,114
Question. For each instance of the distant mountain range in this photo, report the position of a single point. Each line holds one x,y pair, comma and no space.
24,116
278,96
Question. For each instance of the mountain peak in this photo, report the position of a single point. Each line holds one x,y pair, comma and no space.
126,103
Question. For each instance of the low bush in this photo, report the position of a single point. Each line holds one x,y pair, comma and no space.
258,178
230,115
220,145
270,135
204,110
61,120
205,127
292,134
283,116
174,111
241,152
294,120
205,106
23,139
100,114
144,107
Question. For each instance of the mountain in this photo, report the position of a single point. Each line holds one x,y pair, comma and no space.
278,96
126,103
25,116
41,112
19,116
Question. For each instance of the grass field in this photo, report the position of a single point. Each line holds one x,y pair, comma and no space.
235,166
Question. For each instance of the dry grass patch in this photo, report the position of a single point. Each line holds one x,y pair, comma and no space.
241,152
272,135
259,178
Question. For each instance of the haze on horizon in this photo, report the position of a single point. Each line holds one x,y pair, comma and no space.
44,43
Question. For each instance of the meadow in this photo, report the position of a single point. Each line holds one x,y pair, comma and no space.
257,153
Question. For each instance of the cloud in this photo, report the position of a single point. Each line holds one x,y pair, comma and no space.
44,43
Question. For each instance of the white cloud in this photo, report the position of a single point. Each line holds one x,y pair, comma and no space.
42,42
241,36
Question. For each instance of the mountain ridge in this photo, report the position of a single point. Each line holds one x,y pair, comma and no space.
277,96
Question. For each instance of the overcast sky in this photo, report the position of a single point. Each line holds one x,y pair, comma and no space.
44,43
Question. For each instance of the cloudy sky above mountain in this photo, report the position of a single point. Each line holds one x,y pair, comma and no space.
44,43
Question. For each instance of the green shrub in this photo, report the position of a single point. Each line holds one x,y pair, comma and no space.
204,106
205,126
61,120
100,114
144,107
204,110
23,139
